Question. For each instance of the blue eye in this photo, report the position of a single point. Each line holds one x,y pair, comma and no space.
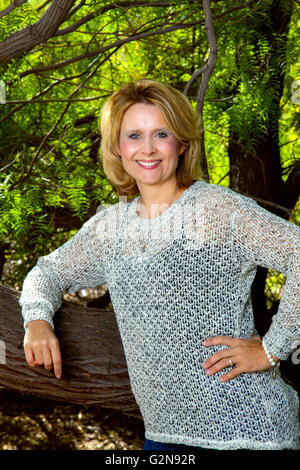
134,136
162,135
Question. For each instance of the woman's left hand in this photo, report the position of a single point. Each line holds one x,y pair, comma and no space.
242,355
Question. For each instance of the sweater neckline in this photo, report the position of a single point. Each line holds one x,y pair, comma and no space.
167,213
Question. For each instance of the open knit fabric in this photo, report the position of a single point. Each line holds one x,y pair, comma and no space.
176,280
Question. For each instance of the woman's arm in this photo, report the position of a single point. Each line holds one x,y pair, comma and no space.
264,239
75,265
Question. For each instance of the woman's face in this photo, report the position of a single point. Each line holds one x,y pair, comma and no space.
149,151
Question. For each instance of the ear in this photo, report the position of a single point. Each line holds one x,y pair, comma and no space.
181,148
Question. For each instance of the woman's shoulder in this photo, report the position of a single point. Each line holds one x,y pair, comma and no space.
214,195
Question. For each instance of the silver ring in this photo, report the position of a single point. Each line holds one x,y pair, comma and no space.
230,362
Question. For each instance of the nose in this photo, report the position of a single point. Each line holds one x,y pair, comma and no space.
147,146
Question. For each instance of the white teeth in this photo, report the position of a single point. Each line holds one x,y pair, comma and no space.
148,163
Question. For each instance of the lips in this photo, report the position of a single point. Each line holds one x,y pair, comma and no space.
148,165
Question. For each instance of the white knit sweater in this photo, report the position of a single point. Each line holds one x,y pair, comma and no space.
174,281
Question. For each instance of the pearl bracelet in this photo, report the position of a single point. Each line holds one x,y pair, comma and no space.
271,360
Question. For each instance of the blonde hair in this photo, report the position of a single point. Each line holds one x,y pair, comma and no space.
179,116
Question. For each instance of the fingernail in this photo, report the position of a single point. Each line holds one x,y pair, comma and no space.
204,343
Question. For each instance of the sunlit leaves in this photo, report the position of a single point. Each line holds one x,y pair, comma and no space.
67,175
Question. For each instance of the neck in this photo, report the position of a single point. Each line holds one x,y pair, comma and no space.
154,200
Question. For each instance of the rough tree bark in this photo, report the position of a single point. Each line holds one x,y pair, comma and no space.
26,39
94,365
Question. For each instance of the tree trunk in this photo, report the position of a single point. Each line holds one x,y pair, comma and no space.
25,40
94,365
261,175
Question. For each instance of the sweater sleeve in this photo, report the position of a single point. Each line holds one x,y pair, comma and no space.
77,264
264,239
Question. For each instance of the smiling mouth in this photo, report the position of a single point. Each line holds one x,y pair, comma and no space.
145,164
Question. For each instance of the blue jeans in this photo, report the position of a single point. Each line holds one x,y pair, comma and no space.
154,445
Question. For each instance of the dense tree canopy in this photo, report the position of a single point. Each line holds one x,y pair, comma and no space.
60,61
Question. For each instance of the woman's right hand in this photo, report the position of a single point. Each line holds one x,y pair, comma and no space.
41,346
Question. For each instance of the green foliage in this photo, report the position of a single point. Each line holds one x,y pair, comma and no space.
61,142
274,287
18,19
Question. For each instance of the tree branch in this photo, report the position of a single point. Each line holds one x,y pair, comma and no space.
129,39
212,59
43,5
198,72
106,8
207,70
34,99
116,44
75,9
61,100
95,369
93,71
237,143
11,7
29,37
60,10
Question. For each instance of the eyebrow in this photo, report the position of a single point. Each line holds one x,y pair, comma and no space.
165,129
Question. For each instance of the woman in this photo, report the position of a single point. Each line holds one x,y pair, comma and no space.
179,261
